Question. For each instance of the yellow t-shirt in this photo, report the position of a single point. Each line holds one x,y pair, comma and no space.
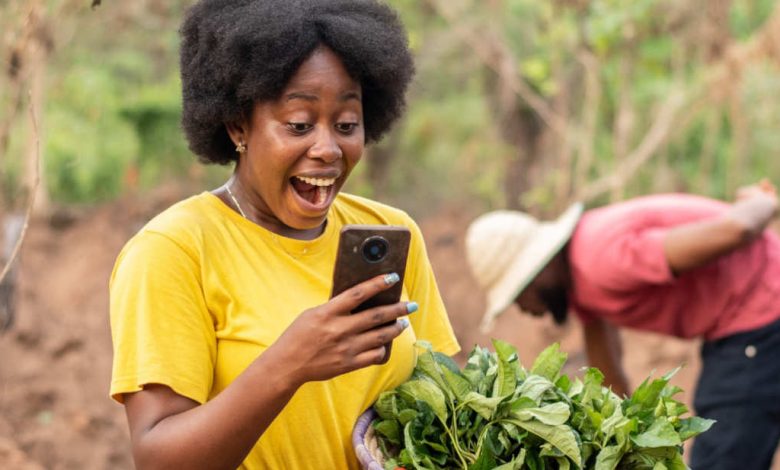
200,292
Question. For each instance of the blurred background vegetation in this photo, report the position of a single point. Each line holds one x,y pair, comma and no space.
516,103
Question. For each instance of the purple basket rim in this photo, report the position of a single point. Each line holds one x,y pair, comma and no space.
358,440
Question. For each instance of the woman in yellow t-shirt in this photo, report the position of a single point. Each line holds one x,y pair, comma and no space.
227,350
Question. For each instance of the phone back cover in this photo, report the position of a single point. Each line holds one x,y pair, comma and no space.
352,268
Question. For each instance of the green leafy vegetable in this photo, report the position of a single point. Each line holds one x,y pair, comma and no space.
495,414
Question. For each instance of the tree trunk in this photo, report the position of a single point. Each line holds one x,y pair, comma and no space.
521,128
625,117
379,159
33,167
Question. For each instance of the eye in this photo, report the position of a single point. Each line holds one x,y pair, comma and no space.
346,127
298,127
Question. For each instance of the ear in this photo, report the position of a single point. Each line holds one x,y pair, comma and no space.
238,130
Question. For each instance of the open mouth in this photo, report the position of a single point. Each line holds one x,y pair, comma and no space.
318,192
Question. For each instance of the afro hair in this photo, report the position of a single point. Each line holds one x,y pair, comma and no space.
238,52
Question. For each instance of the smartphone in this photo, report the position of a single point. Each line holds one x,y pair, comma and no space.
366,251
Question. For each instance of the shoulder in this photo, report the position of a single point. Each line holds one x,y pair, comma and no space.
356,209
186,215
181,227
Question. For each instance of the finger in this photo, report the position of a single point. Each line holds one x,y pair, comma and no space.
372,356
354,296
384,334
380,316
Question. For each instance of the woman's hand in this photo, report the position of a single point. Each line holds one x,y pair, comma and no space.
329,340
169,430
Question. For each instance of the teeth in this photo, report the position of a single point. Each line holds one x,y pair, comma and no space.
317,181
322,194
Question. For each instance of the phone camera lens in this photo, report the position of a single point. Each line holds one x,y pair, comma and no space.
374,249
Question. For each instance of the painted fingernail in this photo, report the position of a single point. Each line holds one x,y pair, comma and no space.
392,278
404,322
411,307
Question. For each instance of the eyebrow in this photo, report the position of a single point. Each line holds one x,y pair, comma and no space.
298,95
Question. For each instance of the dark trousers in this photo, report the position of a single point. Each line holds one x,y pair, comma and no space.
739,386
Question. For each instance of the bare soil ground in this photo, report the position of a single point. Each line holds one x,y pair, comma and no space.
55,363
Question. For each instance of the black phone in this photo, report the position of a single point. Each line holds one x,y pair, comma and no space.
366,251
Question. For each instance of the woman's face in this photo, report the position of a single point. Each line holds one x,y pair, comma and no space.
302,147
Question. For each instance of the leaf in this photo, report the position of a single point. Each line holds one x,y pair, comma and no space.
505,351
534,387
427,392
660,434
522,402
611,426
550,362
485,461
390,429
562,437
516,463
676,463
386,406
609,457
506,376
410,446
646,396
690,427
406,415
446,361
592,385
552,414
457,384
484,406
563,463
426,363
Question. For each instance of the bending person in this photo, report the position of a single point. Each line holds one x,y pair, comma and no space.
679,265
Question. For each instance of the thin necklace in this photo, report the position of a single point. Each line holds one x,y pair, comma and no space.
274,236
235,201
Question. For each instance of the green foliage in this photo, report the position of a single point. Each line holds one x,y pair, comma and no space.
111,122
155,113
495,414
748,15
88,146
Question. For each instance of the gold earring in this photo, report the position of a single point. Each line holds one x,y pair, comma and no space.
241,147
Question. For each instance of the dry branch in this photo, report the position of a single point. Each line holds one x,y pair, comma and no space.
31,196
652,141
495,55
493,52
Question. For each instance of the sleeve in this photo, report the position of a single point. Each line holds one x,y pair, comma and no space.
622,260
160,326
430,322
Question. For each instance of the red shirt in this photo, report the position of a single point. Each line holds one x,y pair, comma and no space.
620,272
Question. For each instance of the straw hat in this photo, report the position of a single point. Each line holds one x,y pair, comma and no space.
507,249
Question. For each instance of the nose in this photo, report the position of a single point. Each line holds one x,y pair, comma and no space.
325,147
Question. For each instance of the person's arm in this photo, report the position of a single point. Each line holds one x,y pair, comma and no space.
692,245
605,352
168,430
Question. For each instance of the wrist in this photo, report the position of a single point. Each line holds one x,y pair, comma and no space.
280,370
750,217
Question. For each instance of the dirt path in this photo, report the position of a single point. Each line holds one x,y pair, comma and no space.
56,361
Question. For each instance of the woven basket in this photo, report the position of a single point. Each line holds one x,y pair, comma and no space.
364,441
